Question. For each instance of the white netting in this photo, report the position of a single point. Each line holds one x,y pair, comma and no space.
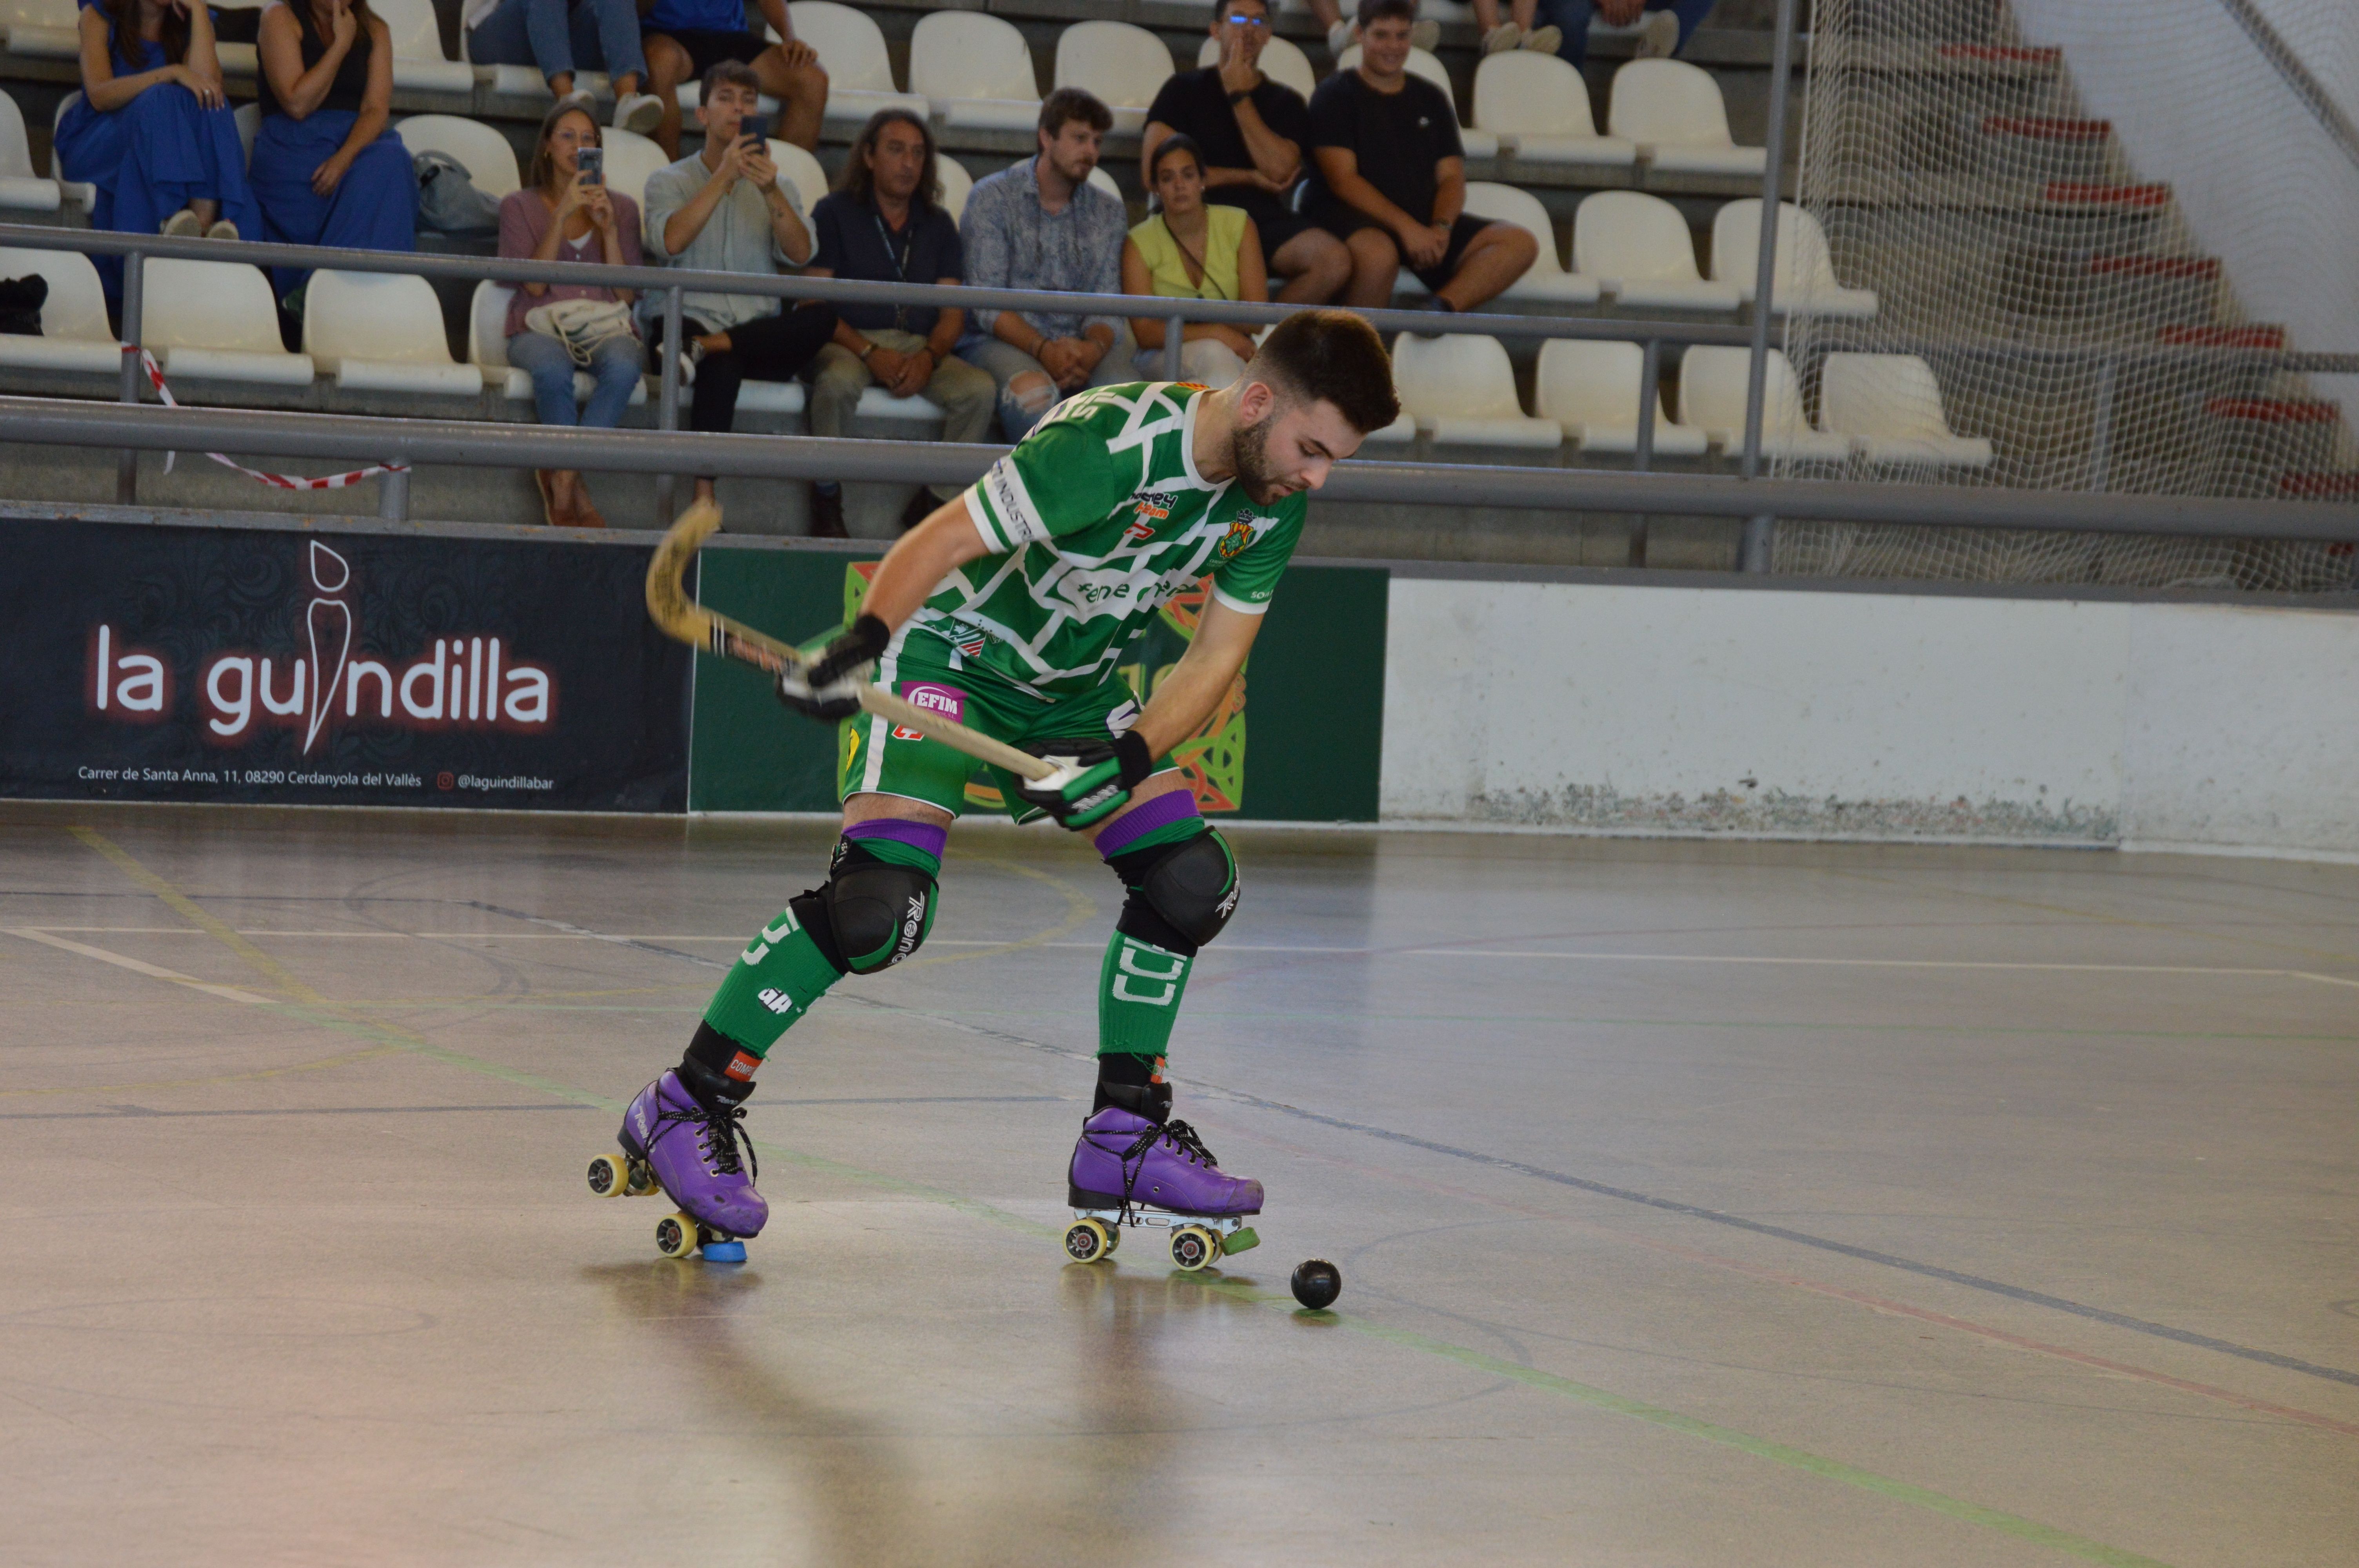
2101,227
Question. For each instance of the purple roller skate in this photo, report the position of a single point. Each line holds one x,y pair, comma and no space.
1134,1168
691,1146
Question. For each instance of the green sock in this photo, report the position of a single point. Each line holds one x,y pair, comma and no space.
1139,986
773,983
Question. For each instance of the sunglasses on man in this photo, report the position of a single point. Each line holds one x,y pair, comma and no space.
1239,19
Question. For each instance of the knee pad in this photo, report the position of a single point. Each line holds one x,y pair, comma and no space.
1188,891
876,913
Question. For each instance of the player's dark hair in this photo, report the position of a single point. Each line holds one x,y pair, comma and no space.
1329,356
1074,103
1221,7
1377,10
859,181
733,73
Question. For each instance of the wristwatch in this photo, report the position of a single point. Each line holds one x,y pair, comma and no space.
1239,97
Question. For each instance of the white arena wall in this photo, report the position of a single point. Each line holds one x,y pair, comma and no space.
1795,713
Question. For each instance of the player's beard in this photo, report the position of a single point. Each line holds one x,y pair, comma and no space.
1249,451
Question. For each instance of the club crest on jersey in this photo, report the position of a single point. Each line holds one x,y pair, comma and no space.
1240,534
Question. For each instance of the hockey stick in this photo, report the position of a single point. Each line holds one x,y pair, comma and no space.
679,618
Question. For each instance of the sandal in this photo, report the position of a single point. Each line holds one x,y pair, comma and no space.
548,499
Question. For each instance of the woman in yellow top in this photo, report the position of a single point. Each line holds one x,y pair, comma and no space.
1192,250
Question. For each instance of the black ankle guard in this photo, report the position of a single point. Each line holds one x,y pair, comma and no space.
1152,1101
714,1089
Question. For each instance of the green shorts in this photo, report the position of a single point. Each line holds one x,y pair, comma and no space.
875,756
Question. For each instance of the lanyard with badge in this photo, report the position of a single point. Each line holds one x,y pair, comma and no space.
900,258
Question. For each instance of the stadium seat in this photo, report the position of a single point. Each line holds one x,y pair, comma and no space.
1711,397
381,332
1125,66
630,158
74,333
1538,108
21,190
418,63
217,321
1673,111
43,30
976,71
956,183
794,164
1281,61
482,151
1591,389
1106,182
1547,280
1461,390
1805,279
81,193
249,125
1890,407
487,350
1478,144
851,50
1638,248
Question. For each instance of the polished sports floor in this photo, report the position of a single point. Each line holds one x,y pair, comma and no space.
1720,1203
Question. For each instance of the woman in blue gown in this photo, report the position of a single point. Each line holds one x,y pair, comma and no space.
326,170
151,130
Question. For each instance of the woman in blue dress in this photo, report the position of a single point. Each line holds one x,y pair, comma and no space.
151,130
327,171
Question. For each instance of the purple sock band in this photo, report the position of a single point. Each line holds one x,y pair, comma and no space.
923,836
1177,806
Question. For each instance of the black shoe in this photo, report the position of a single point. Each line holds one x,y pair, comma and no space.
921,506
827,513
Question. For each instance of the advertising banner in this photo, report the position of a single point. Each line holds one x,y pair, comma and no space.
1299,737
311,667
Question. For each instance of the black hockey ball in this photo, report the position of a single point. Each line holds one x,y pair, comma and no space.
1317,1283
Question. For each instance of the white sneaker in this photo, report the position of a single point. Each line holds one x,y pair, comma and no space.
1658,37
639,112
1425,33
579,98
1501,38
222,229
181,225
1544,41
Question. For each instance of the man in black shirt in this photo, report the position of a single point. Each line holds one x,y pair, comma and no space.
1254,132
1393,175
884,224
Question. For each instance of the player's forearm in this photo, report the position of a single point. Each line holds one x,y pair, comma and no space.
1185,699
916,564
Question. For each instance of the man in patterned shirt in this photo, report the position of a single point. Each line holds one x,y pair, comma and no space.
1009,609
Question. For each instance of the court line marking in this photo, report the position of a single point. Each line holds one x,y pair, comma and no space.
186,908
139,966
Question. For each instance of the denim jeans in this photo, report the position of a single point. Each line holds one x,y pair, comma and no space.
1572,16
561,36
1005,361
613,365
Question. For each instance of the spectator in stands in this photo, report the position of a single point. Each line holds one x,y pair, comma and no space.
725,210
885,223
1041,224
326,171
152,130
556,217
1342,34
1252,134
1517,32
1664,26
1194,250
555,36
1394,178
686,39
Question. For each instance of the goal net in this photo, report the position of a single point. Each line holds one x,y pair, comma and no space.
2124,242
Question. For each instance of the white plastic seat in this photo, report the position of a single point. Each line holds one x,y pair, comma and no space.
1805,276
851,50
21,190
249,125
1547,279
80,192
74,333
1422,62
630,158
217,321
1461,390
1281,61
1538,108
487,351
1638,248
956,183
1890,406
1122,65
419,61
794,164
1674,111
1106,182
381,332
1591,389
482,151
43,30
1711,398
976,71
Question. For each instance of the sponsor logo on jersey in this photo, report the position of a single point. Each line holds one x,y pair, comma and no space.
1150,503
947,700
1139,531
776,1001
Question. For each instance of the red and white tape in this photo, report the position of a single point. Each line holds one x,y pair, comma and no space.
280,480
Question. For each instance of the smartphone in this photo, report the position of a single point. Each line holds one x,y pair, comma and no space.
753,144
590,163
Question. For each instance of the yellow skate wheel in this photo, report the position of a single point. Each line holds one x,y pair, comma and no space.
610,1176
643,1181
676,1236
1087,1241
1193,1247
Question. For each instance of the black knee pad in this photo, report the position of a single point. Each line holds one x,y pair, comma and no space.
875,912
1184,891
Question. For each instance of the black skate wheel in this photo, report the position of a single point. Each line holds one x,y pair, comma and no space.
1087,1241
610,1176
1194,1247
676,1236
1317,1283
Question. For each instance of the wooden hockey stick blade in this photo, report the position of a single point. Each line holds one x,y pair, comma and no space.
684,620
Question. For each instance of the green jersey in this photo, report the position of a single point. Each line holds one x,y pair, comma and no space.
1094,521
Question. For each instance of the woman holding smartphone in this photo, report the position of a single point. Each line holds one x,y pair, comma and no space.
565,214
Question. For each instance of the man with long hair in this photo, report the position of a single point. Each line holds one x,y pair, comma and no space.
884,224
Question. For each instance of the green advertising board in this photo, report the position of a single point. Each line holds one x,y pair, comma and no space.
1299,739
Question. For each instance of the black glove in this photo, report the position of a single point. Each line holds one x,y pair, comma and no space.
829,685
1093,781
